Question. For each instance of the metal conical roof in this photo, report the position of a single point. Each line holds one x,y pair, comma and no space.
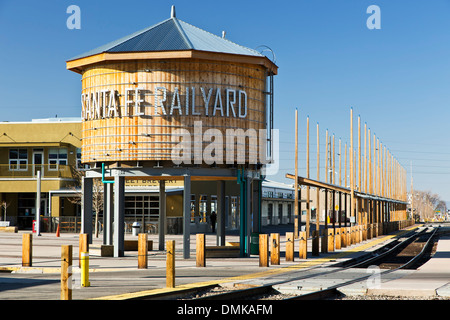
172,35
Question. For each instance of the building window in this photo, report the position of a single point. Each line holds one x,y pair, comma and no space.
203,207
235,212
18,159
213,203
79,164
192,207
57,157
140,207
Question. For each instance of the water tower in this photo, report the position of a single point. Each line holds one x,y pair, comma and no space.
175,102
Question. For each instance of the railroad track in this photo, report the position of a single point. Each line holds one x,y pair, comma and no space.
340,274
332,291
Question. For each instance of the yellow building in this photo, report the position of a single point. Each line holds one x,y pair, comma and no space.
51,146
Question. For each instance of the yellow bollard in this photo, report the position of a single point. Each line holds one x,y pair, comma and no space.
170,264
27,250
66,272
85,269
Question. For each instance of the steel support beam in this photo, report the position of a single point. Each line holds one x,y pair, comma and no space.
119,213
108,203
186,217
86,207
221,214
162,214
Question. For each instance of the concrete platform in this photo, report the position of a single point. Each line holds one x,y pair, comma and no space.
431,280
119,278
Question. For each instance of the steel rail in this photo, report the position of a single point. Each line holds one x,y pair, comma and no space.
269,289
384,254
321,294
332,291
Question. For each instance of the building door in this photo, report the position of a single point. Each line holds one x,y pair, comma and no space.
38,162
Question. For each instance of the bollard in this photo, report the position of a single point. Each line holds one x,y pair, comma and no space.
142,251
349,236
263,250
315,243
83,246
27,250
337,238
324,240
85,269
170,264
302,245
290,246
200,250
66,272
275,248
330,240
352,235
343,238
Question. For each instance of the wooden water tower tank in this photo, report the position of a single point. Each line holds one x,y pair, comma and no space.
143,93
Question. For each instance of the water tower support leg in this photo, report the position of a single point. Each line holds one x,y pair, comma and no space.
119,213
86,208
186,216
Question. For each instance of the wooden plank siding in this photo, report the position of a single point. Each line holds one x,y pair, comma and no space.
149,137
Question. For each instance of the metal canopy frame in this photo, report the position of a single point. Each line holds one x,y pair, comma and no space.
333,187
116,177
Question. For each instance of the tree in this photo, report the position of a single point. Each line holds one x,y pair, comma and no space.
425,203
97,195
5,206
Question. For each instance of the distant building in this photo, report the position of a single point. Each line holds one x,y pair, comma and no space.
51,146
277,203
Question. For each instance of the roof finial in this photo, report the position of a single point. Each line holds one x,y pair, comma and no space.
172,12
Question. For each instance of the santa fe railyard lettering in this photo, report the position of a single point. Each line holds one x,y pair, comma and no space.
240,309
213,102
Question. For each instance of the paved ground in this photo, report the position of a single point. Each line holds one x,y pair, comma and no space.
432,278
119,278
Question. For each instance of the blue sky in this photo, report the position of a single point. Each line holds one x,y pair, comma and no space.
396,78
